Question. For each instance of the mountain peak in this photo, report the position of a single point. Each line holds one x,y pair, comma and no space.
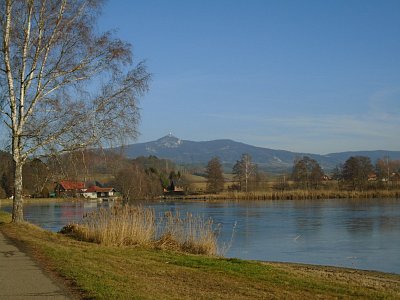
169,141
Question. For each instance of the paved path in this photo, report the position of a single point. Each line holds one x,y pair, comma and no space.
21,277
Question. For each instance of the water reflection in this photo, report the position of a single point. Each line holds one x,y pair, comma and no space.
389,223
351,233
359,225
53,216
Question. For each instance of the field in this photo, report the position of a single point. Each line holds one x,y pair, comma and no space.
93,271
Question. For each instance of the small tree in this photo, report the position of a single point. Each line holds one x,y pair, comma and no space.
245,172
134,183
214,174
63,86
356,170
300,173
307,172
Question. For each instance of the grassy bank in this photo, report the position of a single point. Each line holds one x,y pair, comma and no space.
102,272
297,195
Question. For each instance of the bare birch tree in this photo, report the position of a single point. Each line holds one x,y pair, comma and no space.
245,171
63,86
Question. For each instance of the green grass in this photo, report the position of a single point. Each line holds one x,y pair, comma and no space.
101,272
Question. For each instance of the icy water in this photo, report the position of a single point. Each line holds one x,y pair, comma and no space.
363,234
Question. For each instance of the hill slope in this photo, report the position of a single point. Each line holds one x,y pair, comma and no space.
190,152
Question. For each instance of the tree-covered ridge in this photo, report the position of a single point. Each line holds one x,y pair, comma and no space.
272,161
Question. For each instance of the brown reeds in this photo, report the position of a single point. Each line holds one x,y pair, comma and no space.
298,195
118,226
137,225
191,234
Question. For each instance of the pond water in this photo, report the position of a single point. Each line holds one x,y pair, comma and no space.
363,234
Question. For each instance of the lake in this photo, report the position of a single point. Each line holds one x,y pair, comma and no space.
363,234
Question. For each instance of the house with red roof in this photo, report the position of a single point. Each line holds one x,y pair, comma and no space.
69,188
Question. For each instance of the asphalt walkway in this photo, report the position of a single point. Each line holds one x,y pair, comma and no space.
21,277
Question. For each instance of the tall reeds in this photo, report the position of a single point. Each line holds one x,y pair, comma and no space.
127,225
297,195
191,234
137,225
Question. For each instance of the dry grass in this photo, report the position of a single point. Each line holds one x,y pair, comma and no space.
136,225
298,195
117,226
191,234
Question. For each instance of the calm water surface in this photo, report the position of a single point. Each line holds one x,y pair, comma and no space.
362,234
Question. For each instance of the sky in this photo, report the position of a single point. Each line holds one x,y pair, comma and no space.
304,76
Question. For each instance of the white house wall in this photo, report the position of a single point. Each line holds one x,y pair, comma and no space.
90,195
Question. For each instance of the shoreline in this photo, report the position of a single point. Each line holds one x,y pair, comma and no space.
30,200
290,195
298,264
43,200
88,264
268,195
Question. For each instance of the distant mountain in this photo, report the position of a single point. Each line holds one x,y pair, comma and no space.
189,153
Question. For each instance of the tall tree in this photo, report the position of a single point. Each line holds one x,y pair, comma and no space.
300,173
245,172
62,85
356,170
307,172
214,174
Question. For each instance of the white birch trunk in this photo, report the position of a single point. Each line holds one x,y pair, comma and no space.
17,213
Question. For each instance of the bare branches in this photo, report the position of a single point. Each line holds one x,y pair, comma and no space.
62,86
60,62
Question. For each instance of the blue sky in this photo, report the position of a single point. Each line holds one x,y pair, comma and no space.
307,76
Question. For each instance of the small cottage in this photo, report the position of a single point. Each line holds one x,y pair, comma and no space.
69,188
95,191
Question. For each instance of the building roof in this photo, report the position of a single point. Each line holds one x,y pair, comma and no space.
72,185
97,189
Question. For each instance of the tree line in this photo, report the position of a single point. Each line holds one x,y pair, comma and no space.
149,177
357,173
142,177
